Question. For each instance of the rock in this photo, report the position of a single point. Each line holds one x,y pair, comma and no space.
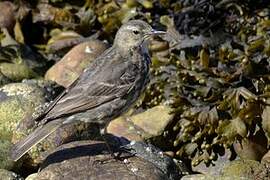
19,62
266,158
32,177
154,120
4,80
8,175
91,160
198,177
245,169
208,177
174,169
252,148
7,39
83,131
17,102
68,69
266,120
215,168
5,161
16,72
148,124
7,15
122,128
64,134
237,169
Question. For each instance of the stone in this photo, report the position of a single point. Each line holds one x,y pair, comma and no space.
17,102
19,62
8,175
266,157
215,168
253,147
148,124
266,120
7,15
237,169
5,161
198,177
122,128
31,177
91,160
245,169
68,69
66,133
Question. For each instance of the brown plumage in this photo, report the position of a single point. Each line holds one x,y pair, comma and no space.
106,89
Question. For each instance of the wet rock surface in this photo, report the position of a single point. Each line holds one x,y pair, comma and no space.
91,159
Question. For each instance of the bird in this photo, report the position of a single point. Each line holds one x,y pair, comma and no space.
107,88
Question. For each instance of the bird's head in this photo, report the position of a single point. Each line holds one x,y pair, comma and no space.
133,34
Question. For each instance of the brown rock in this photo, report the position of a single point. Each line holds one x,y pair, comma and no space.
7,15
91,160
153,121
68,69
266,157
122,128
252,148
148,124
64,134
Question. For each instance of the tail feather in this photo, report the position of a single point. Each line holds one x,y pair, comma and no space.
23,146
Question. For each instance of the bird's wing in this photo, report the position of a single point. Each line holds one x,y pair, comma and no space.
76,101
86,96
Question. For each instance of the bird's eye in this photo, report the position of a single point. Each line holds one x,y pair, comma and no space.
136,32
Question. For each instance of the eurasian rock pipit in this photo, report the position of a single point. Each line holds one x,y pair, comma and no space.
106,89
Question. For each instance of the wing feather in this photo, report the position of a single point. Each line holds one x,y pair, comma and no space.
94,88
81,101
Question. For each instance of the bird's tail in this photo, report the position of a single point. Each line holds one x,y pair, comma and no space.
23,146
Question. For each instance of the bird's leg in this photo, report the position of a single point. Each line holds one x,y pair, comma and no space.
111,149
104,160
103,136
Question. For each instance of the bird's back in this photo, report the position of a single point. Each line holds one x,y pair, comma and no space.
110,76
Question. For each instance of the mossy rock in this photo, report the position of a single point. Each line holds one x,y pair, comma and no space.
245,169
17,102
8,175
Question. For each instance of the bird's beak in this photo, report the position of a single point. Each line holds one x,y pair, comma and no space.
157,33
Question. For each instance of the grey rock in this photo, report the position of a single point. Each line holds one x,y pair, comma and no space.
8,175
92,160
